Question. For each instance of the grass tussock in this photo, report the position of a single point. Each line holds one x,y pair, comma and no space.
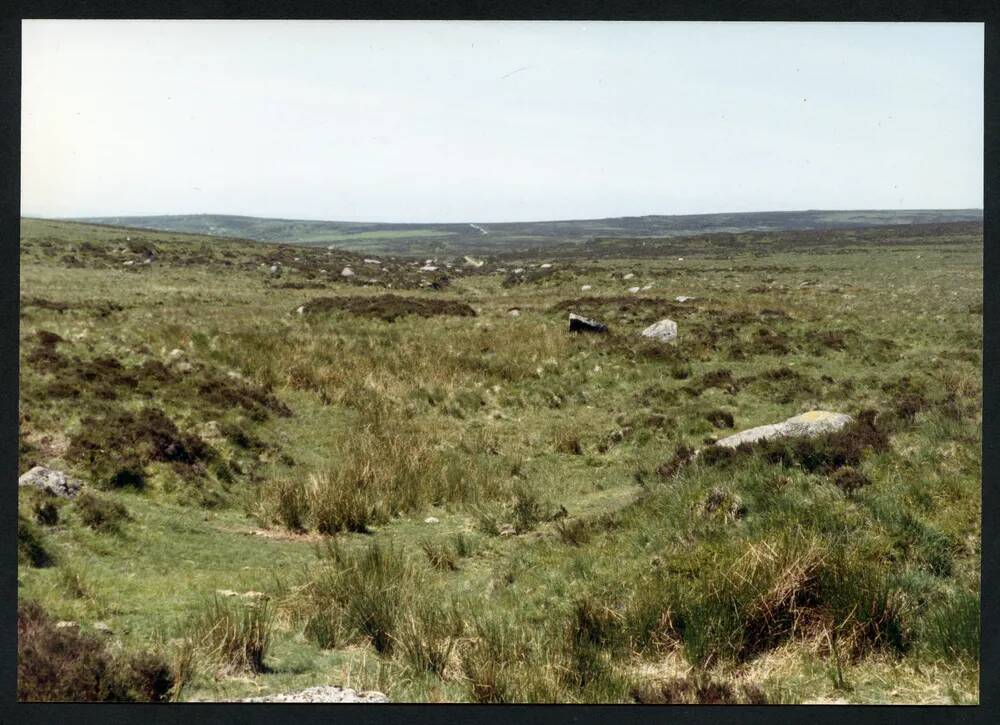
377,470
233,633
361,594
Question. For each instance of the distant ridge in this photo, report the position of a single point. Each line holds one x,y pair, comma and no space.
484,237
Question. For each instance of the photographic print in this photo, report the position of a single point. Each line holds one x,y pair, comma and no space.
500,362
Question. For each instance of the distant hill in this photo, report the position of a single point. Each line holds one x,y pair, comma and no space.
486,238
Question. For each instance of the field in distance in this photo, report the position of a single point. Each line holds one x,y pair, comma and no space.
483,237
412,478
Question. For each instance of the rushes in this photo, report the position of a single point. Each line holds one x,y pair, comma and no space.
361,594
382,467
235,634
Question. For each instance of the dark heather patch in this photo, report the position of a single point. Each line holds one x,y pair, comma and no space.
850,480
388,307
682,456
117,447
720,418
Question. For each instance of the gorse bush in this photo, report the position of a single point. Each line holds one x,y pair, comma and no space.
233,633
63,665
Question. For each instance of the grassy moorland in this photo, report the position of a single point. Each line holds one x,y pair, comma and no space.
389,481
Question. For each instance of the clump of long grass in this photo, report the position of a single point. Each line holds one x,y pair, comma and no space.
427,635
233,633
952,628
361,594
380,468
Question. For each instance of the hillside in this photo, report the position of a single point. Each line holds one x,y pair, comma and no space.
485,238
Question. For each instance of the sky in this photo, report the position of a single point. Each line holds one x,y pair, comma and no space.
398,121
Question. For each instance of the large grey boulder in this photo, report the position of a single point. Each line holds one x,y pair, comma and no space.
51,481
812,423
578,323
664,331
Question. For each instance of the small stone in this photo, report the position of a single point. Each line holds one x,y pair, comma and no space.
347,272
102,627
507,530
545,266
633,290
428,268
514,312
432,520
65,624
683,298
628,276
301,309
585,288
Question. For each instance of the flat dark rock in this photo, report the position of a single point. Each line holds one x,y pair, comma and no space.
585,324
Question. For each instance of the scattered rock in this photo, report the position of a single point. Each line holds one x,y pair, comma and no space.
545,266
473,262
428,268
647,287
585,287
432,520
633,290
507,530
628,276
514,312
65,624
274,270
301,309
347,272
372,261
812,423
103,628
51,481
323,693
664,331
584,324
684,298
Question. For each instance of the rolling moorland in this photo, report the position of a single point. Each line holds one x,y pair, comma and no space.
413,478
522,237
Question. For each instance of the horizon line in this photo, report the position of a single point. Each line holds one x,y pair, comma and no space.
480,221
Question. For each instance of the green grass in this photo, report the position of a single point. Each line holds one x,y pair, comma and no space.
271,436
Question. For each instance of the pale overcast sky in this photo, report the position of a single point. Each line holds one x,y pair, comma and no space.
490,121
